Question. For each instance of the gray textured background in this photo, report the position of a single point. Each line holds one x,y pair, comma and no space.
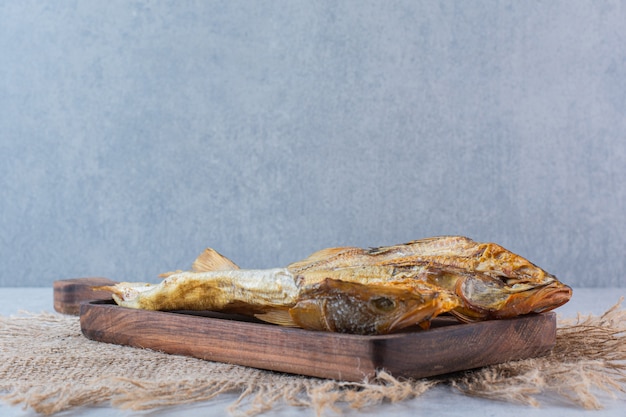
134,134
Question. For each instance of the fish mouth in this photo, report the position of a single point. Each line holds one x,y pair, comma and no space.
537,300
550,297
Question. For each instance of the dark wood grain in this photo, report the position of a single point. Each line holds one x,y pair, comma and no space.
70,293
448,347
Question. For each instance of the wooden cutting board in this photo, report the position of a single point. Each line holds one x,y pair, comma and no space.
69,294
447,347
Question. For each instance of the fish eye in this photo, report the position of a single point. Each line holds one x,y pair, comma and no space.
383,303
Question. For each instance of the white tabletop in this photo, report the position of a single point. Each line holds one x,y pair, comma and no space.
439,401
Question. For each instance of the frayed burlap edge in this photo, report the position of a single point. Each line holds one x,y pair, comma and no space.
47,365
589,358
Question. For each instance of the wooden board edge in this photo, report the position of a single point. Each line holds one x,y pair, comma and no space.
69,294
477,345
316,354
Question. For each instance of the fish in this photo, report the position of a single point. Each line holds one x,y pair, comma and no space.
349,307
222,290
452,251
490,281
470,280
348,301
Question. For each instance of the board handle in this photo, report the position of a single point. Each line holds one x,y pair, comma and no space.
69,294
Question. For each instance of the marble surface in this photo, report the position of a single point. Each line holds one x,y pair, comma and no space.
440,401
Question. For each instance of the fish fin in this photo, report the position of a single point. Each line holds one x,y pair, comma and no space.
322,256
463,318
429,244
125,293
280,317
211,260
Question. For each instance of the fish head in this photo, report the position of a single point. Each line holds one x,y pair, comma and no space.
536,297
535,292
349,307
520,276
485,297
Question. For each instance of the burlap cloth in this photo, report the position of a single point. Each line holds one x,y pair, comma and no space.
46,364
